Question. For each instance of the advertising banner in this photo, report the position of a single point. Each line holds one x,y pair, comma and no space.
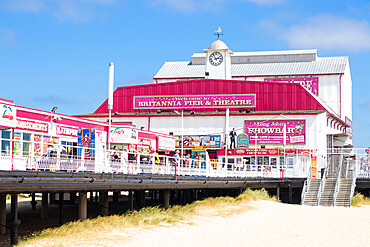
86,143
123,136
33,126
7,116
166,143
314,167
310,83
195,101
272,132
213,141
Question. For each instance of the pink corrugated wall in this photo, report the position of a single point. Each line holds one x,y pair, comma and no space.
270,96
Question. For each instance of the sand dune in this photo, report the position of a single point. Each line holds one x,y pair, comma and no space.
270,224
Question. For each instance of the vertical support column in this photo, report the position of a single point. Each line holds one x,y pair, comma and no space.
2,213
290,194
61,202
33,201
278,192
142,199
115,196
166,199
104,202
82,206
15,222
131,200
44,205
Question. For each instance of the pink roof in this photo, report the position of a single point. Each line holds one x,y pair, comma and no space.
270,96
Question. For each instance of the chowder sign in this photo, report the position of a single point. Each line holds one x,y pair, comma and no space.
195,101
123,135
272,132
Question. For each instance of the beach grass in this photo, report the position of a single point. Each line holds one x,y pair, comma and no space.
118,227
359,200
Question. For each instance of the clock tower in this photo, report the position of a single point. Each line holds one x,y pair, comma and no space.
218,61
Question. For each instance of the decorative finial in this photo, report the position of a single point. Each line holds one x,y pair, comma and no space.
218,32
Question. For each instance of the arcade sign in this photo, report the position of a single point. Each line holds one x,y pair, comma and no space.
195,101
123,136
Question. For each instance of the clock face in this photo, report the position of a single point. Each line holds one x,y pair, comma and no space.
216,58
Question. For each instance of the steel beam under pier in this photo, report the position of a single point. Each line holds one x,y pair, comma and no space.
82,206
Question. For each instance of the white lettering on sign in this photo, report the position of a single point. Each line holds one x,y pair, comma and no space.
31,125
66,131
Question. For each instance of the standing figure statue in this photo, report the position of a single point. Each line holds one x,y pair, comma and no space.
232,138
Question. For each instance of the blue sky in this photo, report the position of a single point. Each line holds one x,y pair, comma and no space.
56,52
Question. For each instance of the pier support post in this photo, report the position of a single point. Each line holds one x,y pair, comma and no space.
33,201
44,205
166,199
115,196
141,199
131,200
61,202
278,192
15,222
104,202
82,206
2,213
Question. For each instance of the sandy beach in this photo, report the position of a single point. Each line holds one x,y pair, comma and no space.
269,224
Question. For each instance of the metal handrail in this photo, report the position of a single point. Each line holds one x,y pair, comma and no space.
337,183
306,186
322,185
353,185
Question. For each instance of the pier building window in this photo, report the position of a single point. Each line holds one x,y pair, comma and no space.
5,142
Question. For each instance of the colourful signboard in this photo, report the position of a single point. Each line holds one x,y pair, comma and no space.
264,152
33,126
242,141
195,101
310,83
199,141
123,135
7,116
314,167
86,143
272,132
166,143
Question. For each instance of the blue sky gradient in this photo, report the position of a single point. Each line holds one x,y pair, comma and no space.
56,52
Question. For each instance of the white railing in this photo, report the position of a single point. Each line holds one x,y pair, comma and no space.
144,163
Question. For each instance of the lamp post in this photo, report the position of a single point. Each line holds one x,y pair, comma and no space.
182,131
110,98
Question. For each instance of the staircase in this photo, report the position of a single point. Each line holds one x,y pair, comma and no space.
327,195
343,197
310,197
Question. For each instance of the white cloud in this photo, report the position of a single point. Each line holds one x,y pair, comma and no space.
326,32
7,37
64,10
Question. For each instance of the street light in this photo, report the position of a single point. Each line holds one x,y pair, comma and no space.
182,130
